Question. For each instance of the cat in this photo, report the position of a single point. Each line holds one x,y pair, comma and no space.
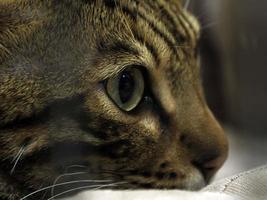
102,94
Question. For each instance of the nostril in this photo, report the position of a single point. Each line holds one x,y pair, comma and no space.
203,167
208,164
207,158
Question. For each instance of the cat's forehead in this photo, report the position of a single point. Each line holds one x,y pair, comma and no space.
154,33
167,19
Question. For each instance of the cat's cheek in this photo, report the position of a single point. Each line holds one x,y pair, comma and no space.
150,126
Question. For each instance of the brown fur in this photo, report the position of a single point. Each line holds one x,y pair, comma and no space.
54,56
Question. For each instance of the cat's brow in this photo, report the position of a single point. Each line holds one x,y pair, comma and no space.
107,70
117,46
113,63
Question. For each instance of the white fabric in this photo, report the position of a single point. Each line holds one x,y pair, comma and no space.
250,185
150,195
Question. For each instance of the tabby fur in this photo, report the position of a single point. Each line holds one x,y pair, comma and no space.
57,123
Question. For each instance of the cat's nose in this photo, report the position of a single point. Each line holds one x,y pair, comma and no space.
209,164
207,145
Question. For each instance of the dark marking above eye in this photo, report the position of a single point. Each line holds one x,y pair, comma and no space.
134,13
115,46
169,20
150,46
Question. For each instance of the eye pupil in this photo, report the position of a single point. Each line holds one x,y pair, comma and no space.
126,86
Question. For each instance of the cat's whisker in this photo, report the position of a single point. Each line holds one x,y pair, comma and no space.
187,4
110,185
95,187
16,159
62,184
45,193
64,175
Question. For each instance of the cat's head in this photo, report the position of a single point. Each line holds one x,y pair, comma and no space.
106,90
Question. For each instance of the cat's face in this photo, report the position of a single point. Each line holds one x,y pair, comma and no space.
119,98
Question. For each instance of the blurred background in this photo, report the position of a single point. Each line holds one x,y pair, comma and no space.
234,47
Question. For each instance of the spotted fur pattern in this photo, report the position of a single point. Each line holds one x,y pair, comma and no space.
57,124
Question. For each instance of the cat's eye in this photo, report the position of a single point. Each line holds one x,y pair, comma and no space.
127,88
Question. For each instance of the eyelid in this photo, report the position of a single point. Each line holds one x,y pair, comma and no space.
142,68
116,70
106,65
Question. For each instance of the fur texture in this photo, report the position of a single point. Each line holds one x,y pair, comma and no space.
56,118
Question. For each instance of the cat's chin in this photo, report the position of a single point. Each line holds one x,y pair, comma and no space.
194,181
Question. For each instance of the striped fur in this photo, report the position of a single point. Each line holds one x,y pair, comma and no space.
56,118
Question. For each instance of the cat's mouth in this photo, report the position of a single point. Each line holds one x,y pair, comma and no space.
193,180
